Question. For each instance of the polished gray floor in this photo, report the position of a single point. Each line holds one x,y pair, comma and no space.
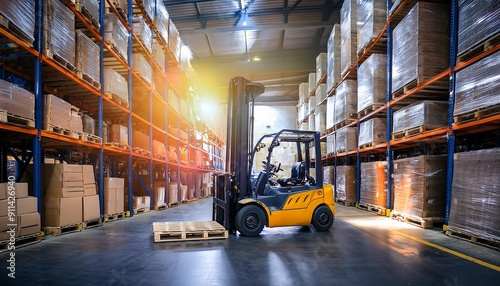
361,249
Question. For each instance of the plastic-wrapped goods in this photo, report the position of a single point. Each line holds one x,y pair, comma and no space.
87,56
372,82
330,112
333,61
144,32
141,66
174,40
159,54
372,16
330,144
21,13
159,148
477,21
304,126
115,84
346,184
303,92
347,139
162,20
158,196
373,185
311,121
140,139
185,58
312,103
149,6
348,35
421,44
57,112
121,6
88,124
320,93
320,67
372,131
59,31
346,101
115,34
16,101
75,122
328,174
475,194
419,186
118,134
478,85
320,119
312,83
92,6
426,113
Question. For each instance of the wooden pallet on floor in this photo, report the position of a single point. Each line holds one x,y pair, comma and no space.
474,238
59,230
92,223
85,13
479,48
346,203
61,131
117,99
372,208
160,208
426,223
86,137
142,210
434,91
21,241
188,231
411,132
16,120
114,217
83,76
15,30
120,146
60,60
371,109
477,114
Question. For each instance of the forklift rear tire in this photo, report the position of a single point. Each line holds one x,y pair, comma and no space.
250,220
322,218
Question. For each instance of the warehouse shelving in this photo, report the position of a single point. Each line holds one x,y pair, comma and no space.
154,117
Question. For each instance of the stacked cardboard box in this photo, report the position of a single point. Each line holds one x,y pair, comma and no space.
421,44
348,35
158,196
159,148
328,172
114,195
333,54
118,134
330,113
75,121
87,56
92,7
16,101
173,193
26,219
475,194
346,184
143,31
140,139
88,124
419,186
372,16
115,34
162,18
347,139
330,144
57,112
142,67
372,82
115,84
373,184
320,67
21,13
346,101
59,31
429,114
141,202
372,131
311,82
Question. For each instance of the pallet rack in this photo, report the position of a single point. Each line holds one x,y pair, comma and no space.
442,137
153,113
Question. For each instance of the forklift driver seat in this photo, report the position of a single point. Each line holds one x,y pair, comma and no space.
260,184
297,175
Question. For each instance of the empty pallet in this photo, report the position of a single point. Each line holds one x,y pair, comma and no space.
185,231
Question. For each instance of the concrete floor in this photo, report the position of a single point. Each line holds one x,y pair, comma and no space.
361,249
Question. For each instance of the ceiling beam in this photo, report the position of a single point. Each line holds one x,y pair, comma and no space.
191,31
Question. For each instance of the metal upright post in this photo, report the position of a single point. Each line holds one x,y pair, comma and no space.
389,110
100,111
130,160
38,89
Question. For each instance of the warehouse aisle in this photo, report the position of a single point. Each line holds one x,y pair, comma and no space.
361,249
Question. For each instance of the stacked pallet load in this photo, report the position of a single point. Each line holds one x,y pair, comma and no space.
330,144
59,33
333,58
320,94
162,18
345,191
159,54
328,172
144,33
476,93
174,40
17,105
371,84
320,67
87,59
372,132
141,204
159,84
373,187
118,136
140,143
346,139
91,203
61,117
345,103
372,17
159,150
173,194
312,83
122,6
303,108
348,35
114,198
419,184
115,86
24,215
474,197
311,107
142,67
89,8
19,17
419,117
116,35
420,47
330,114
159,192
320,119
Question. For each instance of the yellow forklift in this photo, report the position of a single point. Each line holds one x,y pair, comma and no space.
246,203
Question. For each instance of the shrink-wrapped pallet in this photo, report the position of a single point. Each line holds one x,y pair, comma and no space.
75,122
346,184
21,14
115,34
372,131
121,6
372,16
330,144
328,174
428,114
303,92
162,21
88,124
92,7
320,119
16,101
320,93
477,22
115,84
373,188
312,103
346,101
118,134
174,40
320,67
346,140
478,85
420,187
311,121
140,140
57,112
333,61
59,32
348,35
142,30
159,54
142,67
87,56
149,6
330,112
158,196
311,82
159,148
372,77
420,45
475,195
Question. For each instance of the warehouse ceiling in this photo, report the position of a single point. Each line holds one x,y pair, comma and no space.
274,42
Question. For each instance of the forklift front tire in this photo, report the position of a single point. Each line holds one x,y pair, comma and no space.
322,218
250,220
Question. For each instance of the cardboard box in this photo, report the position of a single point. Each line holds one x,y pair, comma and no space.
91,208
89,190
158,196
4,205
88,174
21,190
28,224
26,205
114,183
120,200
4,221
110,200
3,192
63,211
